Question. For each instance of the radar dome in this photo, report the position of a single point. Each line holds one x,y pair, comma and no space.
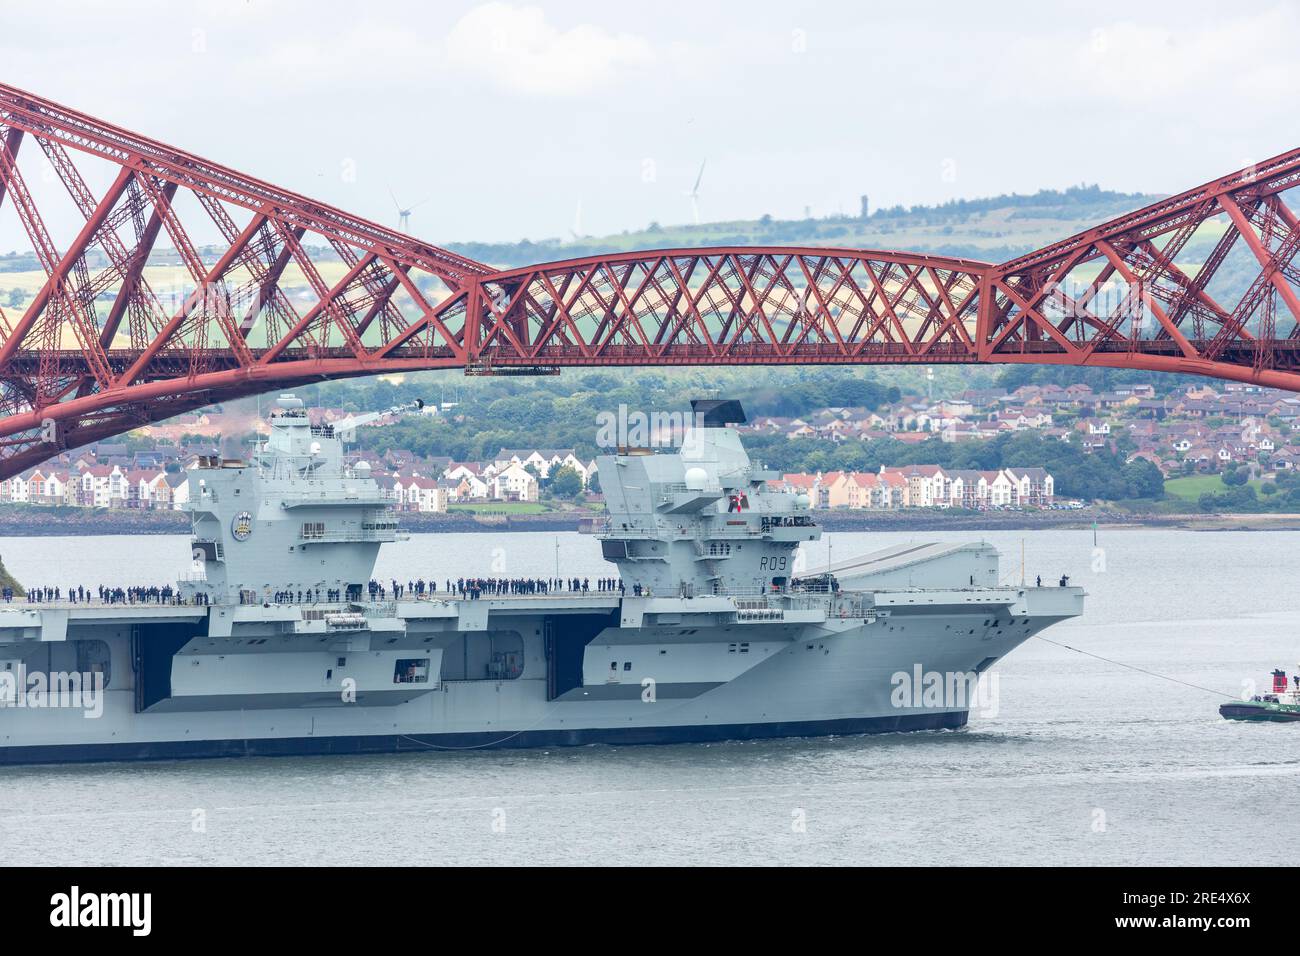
696,479
289,401
801,501
362,469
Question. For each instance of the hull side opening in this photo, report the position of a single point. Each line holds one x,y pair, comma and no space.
153,648
566,638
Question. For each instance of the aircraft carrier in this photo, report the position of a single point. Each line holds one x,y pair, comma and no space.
279,642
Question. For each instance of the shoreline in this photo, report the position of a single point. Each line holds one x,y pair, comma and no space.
30,521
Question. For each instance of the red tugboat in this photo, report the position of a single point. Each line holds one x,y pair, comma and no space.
1282,705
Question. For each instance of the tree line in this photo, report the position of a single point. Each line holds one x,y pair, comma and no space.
560,412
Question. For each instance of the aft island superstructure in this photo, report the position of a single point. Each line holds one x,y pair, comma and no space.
277,643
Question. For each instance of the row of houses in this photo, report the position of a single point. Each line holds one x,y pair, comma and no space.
97,486
111,486
1198,427
924,486
949,420
426,493
513,475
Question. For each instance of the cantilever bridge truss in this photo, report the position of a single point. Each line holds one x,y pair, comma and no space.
182,283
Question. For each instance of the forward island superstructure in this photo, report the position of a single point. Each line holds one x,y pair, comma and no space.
278,642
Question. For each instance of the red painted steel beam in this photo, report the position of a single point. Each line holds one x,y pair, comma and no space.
323,306
253,378
1122,268
733,305
13,138
54,284
132,281
1270,262
193,301
1267,178
76,130
268,286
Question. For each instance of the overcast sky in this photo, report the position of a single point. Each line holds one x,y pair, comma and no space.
509,117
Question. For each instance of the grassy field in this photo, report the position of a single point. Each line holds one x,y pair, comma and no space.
1192,487
172,284
175,281
502,508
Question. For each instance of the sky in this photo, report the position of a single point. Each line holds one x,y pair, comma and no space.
505,120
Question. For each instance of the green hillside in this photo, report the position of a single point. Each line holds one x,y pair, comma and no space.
993,229
7,581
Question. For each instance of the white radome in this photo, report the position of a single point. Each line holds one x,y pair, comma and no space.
696,479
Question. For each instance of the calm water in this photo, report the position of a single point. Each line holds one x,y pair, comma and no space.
1084,762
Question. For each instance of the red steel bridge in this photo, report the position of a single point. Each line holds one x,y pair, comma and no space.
182,283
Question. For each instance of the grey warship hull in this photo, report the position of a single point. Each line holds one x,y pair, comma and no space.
176,690
275,644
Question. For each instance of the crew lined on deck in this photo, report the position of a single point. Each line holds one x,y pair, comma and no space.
466,588
136,594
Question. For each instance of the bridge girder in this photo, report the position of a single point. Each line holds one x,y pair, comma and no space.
294,291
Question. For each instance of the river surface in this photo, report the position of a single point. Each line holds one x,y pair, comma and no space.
1081,761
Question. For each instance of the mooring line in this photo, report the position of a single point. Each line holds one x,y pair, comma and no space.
1134,667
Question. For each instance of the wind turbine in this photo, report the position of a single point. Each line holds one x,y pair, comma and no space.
693,194
404,212
577,223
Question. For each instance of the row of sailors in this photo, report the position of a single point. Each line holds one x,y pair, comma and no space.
308,596
464,587
147,594
476,587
